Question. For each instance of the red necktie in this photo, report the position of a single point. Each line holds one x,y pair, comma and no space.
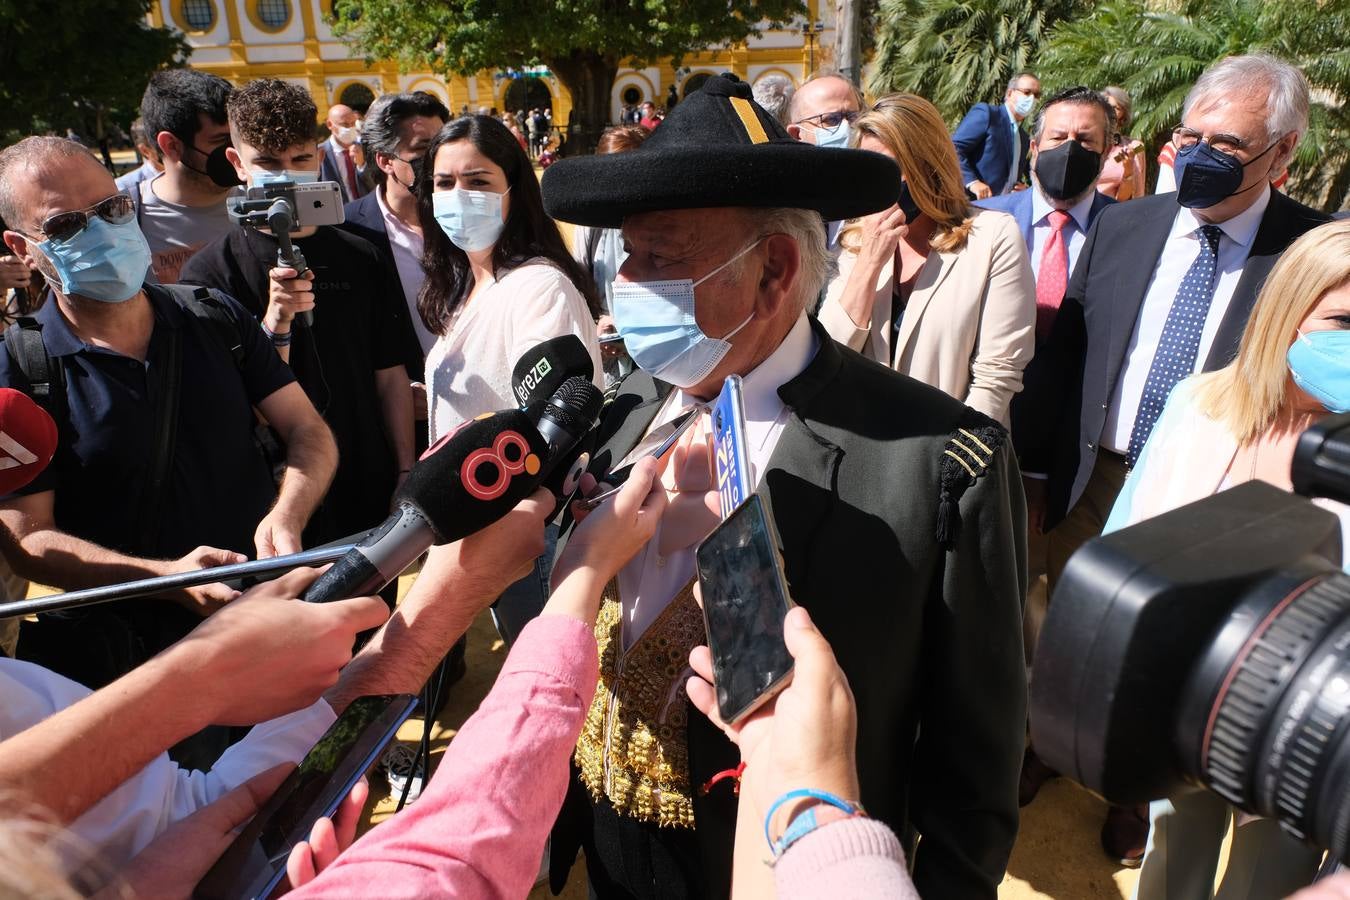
1053,278
351,173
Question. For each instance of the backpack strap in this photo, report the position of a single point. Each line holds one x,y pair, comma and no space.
203,304
33,371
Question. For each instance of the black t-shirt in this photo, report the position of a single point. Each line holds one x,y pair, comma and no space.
359,317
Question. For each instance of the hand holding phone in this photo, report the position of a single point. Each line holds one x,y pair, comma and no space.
745,600
659,444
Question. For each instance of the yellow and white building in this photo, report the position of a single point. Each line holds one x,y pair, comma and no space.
241,40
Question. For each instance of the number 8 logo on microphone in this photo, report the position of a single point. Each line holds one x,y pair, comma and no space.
508,457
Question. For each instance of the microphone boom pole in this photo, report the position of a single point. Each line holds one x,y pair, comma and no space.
260,569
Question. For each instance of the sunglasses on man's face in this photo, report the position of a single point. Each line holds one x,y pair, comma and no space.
831,119
116,210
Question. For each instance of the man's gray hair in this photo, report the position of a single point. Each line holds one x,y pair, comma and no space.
774,93
1285,89
805,227
858,97
31,153
1012,82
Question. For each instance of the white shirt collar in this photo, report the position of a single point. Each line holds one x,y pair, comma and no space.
392,221
759,386
1041,208
1240,229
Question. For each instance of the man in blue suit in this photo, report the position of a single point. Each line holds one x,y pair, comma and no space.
990,143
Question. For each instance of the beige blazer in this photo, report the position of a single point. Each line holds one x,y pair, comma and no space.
970,325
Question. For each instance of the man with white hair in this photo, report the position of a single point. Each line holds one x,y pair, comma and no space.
868,476
1162,289
774,93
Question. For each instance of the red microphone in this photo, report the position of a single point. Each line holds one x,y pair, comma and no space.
27,440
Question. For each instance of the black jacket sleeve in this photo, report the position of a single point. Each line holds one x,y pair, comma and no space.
973,695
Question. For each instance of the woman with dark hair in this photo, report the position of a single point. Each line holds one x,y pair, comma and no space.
500,281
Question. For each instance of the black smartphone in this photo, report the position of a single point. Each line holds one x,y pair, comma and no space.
745,599
255,862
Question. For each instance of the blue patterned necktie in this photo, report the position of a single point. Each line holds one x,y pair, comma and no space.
1180,342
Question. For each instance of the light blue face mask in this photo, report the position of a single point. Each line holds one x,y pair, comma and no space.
262,177
102,261
472,220
833,137
659,330
1320,364
1024,104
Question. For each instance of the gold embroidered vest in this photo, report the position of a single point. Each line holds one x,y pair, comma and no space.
633,747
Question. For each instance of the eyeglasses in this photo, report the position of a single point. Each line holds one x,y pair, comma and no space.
1036,93
830,119
1183,138
116,210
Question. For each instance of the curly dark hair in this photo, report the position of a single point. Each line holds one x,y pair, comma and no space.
528,231
271,115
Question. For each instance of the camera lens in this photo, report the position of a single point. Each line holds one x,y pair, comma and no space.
1265,717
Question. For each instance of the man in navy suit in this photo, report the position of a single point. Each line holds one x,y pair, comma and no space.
1163,288
397,131
990,143
340,161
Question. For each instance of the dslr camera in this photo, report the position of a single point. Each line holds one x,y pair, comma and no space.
1209,647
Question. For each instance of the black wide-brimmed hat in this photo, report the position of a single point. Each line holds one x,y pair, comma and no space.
719,148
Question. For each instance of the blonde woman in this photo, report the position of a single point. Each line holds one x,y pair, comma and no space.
932,287
1123,175
1218,430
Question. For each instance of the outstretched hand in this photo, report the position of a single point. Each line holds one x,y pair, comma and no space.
806,736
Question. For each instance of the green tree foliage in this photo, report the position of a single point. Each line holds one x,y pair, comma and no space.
82,66
581,41
957,53
1157,52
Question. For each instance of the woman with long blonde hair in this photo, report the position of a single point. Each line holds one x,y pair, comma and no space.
933,287
1220,429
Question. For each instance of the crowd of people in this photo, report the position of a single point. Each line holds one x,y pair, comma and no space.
963,355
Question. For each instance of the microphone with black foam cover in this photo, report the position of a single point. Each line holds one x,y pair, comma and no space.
27,440
566,424
463,483
540,372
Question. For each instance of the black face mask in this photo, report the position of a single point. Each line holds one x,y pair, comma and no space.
907,204
218,168
1067,171
416,166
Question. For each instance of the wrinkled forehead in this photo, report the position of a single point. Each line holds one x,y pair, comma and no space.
44,186
689,230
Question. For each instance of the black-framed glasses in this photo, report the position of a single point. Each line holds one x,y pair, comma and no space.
116,210
1183,138
830,119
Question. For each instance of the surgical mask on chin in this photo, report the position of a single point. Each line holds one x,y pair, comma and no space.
102,261
1206,177
263,177
1024,104
472,220
660,332
833,137
1320,364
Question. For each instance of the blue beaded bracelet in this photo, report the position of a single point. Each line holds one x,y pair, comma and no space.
805,823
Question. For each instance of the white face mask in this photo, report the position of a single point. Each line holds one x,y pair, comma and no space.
263,177
660,332
346,134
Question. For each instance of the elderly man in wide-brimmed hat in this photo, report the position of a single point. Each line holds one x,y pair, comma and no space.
899,509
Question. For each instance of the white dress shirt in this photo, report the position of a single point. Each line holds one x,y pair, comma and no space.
1016,153
124,822
1075,232
1178,253
407,247
650,581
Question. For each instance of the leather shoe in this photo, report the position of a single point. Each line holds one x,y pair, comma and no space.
1034,774
1125,834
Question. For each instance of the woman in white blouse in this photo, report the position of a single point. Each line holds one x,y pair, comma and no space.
500,281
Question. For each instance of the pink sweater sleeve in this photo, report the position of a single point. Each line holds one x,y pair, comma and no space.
848,858
479,828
